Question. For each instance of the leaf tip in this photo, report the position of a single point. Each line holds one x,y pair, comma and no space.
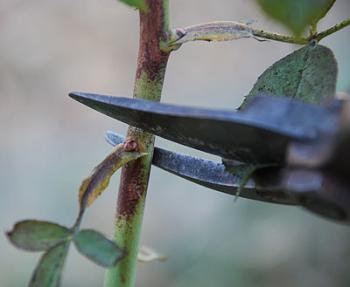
9,234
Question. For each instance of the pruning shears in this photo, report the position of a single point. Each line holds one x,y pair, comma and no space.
302,147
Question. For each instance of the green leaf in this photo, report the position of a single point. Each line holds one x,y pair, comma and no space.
98,248
139,4
245,172
308,74
49,269
37,235
296,14
98,181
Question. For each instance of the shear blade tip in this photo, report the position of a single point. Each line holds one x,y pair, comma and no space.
80,96
75,95
94,101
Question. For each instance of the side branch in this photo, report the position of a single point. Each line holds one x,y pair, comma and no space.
280,38
230,30
332,30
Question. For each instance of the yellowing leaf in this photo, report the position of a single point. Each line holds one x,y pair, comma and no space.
213,31
99,179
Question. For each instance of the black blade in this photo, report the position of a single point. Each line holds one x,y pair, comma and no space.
260,133
214,175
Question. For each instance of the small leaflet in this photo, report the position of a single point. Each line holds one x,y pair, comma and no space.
34,235
49,269
98,248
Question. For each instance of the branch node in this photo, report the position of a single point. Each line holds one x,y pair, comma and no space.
130,144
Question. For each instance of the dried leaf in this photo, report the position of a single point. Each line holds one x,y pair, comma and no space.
49,269
98,181
98,248
36,235
213,31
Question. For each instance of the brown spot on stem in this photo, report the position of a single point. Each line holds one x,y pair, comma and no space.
130,144
151,60
132,187
150,72
122,278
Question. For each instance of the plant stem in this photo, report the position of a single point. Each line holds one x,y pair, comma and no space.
230,30
150,73
332,30
279,37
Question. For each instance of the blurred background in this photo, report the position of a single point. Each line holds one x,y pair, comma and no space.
49,143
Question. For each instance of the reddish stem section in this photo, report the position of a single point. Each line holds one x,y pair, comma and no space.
151,59
151,67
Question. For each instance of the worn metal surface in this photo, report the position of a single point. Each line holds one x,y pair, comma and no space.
317,191
260,133
215,175
308,144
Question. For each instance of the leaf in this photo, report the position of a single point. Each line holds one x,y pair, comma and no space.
98,181
49,269
245,172
98,248
296,14
37,235
213,31
139,4
308,74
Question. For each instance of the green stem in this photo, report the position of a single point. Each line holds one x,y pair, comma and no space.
279,38
332,30
76,226
152,61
